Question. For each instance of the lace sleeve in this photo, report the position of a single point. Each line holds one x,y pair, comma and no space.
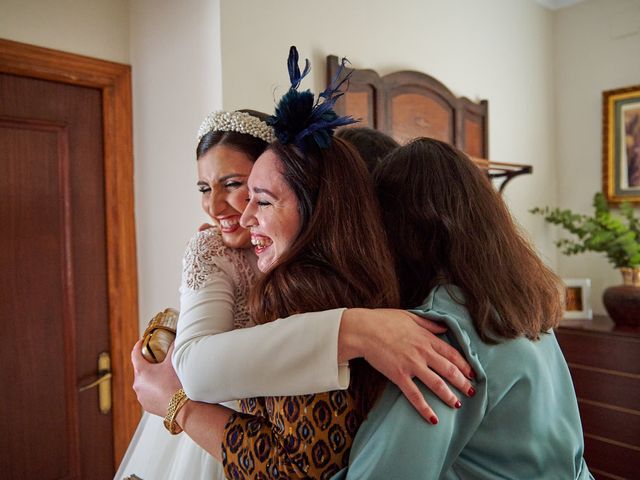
215,284
207,258
202,259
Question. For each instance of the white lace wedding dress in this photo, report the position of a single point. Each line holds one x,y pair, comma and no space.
215,284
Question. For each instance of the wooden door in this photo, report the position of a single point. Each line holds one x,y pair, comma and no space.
68,283
53,280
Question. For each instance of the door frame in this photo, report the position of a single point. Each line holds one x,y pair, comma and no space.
114,80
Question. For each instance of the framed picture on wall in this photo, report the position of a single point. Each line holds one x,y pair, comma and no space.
621,144
576,298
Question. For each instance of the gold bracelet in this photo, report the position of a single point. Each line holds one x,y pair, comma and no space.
178,400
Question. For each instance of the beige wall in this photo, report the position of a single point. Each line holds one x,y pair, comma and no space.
176,81
597,49
536,68
98,28
174,50
500,50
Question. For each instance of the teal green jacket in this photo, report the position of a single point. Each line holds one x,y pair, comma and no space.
522,423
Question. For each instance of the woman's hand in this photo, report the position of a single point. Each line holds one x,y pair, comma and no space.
154,383
402,346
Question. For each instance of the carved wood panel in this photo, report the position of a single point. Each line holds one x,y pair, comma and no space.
410,104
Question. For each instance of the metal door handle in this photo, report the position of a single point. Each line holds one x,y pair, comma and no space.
103,383
103,378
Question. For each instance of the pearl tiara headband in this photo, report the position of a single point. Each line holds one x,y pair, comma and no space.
240,122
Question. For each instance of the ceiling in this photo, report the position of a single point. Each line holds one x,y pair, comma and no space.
557,4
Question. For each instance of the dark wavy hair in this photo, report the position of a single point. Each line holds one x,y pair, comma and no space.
340,257
373,145
247,144
446,223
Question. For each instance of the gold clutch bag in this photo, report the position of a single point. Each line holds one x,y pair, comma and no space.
159,335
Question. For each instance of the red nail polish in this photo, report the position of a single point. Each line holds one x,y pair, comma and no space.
458,404
472,374
433,420
471,392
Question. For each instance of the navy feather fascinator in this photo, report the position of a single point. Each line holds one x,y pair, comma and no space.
301,120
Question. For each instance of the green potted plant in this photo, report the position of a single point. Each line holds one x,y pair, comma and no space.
618,237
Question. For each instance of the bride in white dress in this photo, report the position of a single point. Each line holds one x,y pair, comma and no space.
218,271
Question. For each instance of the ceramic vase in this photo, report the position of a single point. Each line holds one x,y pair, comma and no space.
623,301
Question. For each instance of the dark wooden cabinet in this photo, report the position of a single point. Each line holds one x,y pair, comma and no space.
605,367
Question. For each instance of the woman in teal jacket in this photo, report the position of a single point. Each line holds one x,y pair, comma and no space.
460,256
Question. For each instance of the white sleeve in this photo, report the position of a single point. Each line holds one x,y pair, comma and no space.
290,356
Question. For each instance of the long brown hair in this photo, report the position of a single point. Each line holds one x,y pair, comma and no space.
372,145
340,257
446,222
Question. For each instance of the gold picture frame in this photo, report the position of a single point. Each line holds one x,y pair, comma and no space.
621,144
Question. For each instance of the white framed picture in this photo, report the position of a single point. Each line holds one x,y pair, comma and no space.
576,298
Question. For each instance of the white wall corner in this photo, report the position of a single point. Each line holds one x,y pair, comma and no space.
558,4
177,80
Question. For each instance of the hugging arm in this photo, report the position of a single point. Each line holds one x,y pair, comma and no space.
305,353
155,383
292,356
215,368
403,346
308,353
393,443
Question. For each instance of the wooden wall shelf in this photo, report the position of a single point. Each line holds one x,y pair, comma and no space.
502,171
